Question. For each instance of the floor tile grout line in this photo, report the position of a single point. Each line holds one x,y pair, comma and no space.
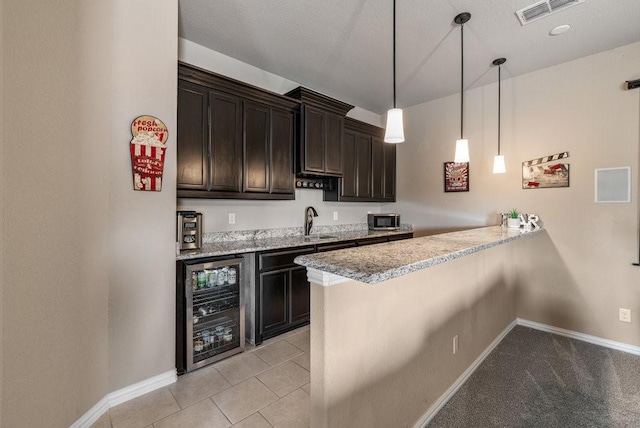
272,391
270,367
281,398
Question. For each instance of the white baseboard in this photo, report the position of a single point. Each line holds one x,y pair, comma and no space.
93,414
125,394
630,349
440,402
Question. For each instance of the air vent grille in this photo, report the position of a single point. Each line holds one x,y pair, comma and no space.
557,4
544,8
536,11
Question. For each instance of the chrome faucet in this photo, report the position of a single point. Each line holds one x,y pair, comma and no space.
309,214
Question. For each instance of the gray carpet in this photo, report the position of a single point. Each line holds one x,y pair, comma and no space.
538,379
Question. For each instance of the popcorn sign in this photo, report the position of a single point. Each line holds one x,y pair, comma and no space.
147,152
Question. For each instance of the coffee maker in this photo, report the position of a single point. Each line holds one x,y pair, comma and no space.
189,230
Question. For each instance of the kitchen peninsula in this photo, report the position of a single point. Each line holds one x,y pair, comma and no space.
384,318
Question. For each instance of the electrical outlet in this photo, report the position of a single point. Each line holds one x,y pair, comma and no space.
232,218
335,215
455,344
625,315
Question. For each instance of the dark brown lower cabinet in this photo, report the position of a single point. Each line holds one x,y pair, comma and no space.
274,295
282,292
282,289
300,295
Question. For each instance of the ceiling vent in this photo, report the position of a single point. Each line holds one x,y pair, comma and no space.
544,8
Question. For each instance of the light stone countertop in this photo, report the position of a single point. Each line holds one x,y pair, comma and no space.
239,246
377,263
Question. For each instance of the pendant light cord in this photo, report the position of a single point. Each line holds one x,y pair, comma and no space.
394,53
499,99
461,81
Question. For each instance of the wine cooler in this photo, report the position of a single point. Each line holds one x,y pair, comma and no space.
210,318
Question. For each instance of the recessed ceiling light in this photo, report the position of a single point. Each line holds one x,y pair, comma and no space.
559,29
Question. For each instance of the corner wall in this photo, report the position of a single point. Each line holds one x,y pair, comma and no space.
142,224
579,107
88,264
2,168
55,181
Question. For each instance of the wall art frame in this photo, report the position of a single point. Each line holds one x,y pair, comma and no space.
456,177
546,172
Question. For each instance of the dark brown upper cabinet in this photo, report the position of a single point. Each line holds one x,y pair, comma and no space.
369,166
268,152
193,136
321,127
235,141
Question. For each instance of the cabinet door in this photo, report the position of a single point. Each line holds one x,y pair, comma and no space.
300,293
333,144
377,166
363,165
389,172
226,143
256,121
314,139
274,300
281,173
193,136
350,172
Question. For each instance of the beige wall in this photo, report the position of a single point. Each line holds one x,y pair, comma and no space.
83,255
55,295
142,224
2,166
579,107
382,354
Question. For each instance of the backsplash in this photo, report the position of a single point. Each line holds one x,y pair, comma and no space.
256,234
267,214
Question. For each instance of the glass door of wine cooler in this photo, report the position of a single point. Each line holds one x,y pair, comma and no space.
214,313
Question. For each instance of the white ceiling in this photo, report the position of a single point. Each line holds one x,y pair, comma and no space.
343,48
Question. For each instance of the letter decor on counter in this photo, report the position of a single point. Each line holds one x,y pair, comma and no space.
147,152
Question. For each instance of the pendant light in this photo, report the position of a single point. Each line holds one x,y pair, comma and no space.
394,132
462,145
498,161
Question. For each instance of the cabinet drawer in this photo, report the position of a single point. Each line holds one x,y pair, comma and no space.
371,241
280,259
336,246
400,237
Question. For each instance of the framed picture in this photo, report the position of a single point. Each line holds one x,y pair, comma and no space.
546,172
456,177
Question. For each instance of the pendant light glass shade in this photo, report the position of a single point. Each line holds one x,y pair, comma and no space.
462,145
462,151
498,165
498,161
394,132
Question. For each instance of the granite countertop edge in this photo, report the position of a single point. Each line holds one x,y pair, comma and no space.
255,245
463,247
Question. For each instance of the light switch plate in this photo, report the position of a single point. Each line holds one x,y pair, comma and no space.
232,218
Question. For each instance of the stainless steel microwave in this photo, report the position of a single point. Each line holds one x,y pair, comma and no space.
389,221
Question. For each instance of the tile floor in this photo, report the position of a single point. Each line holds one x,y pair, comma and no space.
265,386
